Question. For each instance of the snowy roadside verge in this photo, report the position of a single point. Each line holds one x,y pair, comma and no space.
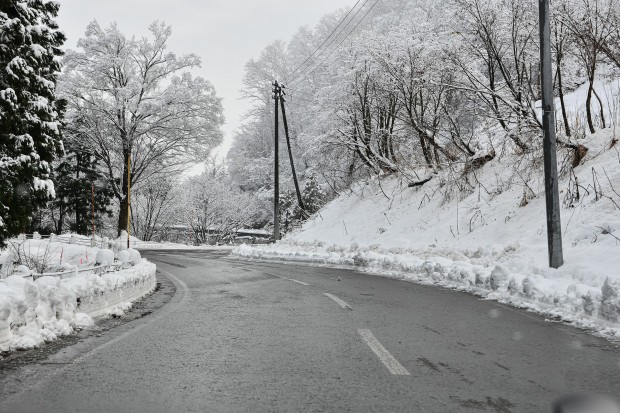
482,232
33,312
487,273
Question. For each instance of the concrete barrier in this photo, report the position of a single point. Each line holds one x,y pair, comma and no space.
95,295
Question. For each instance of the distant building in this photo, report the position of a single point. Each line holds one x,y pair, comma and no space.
182,233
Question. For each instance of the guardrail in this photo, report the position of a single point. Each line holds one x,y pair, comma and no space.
69,239
73,239
116,266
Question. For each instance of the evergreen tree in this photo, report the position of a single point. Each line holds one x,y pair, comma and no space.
77,178
289,211
29,112
313,195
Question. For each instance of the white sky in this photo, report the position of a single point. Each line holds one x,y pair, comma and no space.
224,33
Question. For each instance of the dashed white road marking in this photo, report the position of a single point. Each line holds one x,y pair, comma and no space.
339,301
297,281
386,358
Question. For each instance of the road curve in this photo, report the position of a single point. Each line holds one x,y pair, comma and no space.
248,336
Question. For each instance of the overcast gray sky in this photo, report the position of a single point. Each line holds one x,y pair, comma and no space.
224,33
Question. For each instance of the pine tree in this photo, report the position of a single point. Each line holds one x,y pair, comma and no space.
75,178
29,112
313,195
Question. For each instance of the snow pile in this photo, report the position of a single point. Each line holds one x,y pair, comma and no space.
104,257
490,240
35,311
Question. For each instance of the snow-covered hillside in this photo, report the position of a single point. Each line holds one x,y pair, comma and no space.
484,233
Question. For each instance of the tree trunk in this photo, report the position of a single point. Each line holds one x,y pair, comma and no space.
561,95
78,224
122,215
600,105
588,106
61,219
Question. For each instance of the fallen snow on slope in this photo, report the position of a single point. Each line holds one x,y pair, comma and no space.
490,241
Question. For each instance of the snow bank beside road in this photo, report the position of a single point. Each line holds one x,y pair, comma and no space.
33,312
554,293
489,240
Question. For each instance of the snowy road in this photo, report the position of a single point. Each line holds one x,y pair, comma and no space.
247,336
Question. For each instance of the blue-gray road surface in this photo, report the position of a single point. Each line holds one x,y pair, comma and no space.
249,337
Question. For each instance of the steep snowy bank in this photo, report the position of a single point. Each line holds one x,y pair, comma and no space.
489,238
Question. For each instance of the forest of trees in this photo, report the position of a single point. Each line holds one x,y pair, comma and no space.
406,88
421,85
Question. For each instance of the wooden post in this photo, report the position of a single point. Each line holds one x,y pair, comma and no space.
276,165
290,155
554,228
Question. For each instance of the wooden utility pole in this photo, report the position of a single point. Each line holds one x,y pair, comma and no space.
276,165
554,228
290,153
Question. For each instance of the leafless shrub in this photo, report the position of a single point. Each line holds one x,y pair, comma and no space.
573,194
37,259
476,217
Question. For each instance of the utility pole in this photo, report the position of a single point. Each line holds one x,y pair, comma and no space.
554,228
290,153
276,165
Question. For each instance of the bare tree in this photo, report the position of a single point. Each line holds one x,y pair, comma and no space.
591,29
137,107
153,206
501,40
213,209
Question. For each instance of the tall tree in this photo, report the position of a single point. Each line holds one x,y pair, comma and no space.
138,105
30,137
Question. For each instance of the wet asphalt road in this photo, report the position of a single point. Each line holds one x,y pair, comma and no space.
249,336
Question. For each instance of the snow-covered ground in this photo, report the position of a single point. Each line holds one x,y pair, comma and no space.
489,238
36,309
153,245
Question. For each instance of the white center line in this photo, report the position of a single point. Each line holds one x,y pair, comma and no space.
386,358
339,301
297,281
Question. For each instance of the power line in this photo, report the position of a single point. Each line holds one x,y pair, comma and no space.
295,91
297,98
326,39
339,44
295,78
335,37
297,94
